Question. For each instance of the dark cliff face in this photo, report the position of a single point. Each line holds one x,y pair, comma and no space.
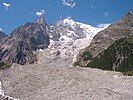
120,29
21,45
20,53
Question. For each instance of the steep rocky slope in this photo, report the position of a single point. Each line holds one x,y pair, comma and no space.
120,29
118,57
2,36
19,47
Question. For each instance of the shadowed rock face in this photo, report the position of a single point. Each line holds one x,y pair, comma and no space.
121,29
2,36
20,46
20,53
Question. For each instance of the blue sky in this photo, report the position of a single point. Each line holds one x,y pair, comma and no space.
92,12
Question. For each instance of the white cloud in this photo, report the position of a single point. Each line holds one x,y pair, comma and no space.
103,25
40,13
69,3
106,14
1,29
60,16
7,5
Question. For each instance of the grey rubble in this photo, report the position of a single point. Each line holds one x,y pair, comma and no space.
43,82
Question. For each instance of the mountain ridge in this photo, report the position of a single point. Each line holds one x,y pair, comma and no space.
22,45
19,47
120,29
104,54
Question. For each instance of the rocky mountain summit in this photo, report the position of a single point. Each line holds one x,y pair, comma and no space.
19,47
68,29
69,36
101,41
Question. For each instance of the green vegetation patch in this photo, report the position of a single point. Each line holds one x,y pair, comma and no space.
4,66
130,40
87,56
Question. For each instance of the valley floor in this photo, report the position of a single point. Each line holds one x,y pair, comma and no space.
44,82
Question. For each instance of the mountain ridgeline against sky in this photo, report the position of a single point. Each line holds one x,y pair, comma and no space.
111,47
66,37
66,50
61,42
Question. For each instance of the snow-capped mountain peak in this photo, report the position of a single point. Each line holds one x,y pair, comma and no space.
69,21
68,28
68,37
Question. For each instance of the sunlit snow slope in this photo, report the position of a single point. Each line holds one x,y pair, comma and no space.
68,37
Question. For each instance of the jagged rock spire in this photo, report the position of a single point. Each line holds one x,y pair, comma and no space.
41,20
131,11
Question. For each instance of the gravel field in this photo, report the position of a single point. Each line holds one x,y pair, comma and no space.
43,82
